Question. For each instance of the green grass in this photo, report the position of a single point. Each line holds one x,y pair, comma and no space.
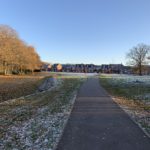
126,90
119,88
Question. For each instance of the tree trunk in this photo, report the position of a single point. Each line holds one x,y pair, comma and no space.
5,67
140,69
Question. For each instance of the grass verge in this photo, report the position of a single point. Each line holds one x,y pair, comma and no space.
127,96
37,121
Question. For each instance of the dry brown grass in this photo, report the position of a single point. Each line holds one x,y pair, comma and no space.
138,112
16,86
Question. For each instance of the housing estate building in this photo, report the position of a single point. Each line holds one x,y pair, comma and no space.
112,68
85,68
90,68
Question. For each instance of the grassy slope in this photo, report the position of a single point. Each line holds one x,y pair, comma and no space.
16,86
34,111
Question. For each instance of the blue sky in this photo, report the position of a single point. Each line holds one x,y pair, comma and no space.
79,31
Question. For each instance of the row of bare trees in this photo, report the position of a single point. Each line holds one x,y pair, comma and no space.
15,55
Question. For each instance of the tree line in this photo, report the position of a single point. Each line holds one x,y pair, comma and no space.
16,56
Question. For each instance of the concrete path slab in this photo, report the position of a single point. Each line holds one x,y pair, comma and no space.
97,123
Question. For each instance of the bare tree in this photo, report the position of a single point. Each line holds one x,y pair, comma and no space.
138,57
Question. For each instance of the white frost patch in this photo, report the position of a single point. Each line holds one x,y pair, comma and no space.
129,78
140,83
40,133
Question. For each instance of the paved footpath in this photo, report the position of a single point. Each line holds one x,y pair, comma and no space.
97,123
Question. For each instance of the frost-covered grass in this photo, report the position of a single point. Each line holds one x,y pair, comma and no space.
131,87
37,121
132,93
